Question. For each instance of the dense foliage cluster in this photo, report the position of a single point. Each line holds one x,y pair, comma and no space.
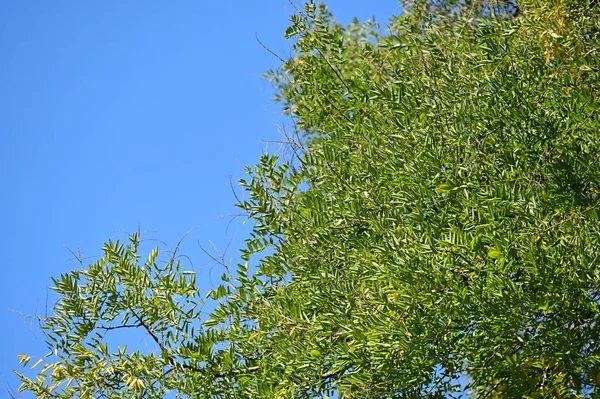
434,231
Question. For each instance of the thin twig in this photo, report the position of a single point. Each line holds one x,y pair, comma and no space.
295,7
334,69
268,49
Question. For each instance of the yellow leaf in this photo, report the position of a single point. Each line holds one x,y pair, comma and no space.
37,363
130,381
47,367
139,385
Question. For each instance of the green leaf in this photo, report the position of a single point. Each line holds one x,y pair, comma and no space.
494,254
444,188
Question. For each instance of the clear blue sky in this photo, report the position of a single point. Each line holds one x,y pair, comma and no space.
115,114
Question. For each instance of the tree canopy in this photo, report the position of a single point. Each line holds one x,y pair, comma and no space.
432,232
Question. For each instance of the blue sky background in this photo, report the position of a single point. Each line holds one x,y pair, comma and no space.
119,114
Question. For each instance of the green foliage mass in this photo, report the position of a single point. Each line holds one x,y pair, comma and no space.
433,232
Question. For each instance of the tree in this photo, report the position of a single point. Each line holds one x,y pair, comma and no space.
433,233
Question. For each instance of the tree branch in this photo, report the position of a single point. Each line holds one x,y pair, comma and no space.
123,326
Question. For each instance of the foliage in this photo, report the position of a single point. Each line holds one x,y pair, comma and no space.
433,233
